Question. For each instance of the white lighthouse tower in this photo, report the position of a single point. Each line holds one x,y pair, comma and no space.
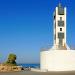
60,57
60,28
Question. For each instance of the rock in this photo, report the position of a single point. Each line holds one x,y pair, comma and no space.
6,68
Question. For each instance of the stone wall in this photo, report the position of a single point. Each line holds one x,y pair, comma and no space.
5,68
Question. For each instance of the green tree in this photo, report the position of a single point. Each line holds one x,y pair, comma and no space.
11,60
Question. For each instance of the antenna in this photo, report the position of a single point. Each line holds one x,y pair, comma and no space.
59,3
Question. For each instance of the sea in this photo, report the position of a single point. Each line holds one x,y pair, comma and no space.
30,65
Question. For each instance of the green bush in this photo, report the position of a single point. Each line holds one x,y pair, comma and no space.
11,60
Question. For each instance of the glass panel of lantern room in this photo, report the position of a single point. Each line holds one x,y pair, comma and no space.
60,11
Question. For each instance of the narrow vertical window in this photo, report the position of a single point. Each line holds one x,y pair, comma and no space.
60,29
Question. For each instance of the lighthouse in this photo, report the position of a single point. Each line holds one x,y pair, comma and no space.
60,57
59,27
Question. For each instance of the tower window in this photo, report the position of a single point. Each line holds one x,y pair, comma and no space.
54,16
60,35
60,23
60,11
60,29
60,18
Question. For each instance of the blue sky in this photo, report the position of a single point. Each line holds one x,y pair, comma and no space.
26,26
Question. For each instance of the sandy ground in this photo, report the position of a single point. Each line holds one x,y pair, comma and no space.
39,73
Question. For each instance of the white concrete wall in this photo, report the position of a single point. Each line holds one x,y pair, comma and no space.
57,60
